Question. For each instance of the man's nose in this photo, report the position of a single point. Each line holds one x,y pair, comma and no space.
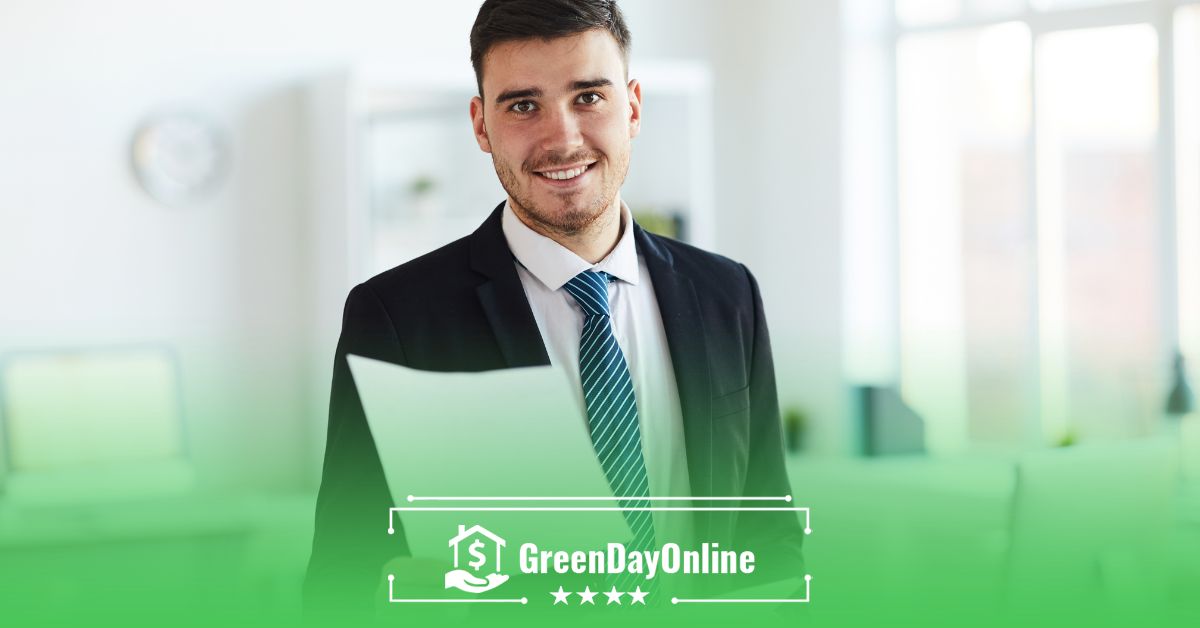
562,132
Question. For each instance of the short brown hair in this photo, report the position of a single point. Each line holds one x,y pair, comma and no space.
509,20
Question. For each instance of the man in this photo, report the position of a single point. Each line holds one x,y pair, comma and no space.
560,273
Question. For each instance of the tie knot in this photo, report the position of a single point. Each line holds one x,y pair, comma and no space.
590,290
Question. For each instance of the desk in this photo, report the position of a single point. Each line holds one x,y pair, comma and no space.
911,530
244,552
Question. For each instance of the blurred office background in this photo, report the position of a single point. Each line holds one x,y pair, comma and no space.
976,224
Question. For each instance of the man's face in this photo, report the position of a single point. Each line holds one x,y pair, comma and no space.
558,119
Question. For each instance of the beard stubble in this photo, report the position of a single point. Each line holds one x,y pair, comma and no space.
572,215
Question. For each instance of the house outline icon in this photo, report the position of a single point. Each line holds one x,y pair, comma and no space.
465,533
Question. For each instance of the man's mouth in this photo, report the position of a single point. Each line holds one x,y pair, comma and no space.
566,174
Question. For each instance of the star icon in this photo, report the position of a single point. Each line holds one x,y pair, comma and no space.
638,595
586,595
560,596
614,595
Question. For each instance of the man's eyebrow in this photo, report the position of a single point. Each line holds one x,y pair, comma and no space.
592,84
517,94
533,92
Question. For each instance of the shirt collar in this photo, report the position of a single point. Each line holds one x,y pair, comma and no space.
554,264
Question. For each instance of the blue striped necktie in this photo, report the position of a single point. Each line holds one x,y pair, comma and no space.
612,408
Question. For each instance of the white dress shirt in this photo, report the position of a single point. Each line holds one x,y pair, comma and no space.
545,266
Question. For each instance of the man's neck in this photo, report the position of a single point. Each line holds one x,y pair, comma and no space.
593,243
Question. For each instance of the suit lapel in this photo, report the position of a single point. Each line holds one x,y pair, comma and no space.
679,306
503,298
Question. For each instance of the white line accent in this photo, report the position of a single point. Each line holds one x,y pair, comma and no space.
424,498
786,498
803,600
443,601
599,508
393,599
676,600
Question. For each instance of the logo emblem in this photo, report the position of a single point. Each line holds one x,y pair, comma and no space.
474,547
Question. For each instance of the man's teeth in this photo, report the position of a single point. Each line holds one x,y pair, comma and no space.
563,175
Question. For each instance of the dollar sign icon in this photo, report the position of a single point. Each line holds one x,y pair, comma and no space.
473,550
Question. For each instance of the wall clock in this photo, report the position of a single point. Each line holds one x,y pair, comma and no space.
179,158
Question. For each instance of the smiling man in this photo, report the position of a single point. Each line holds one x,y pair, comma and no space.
558,122
666,345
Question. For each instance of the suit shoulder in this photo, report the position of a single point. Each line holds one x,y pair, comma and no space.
702,265
429,269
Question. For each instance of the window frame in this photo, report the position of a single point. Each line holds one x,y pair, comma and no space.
1161,16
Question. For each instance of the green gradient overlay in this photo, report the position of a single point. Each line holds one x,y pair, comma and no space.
1086,535
909,541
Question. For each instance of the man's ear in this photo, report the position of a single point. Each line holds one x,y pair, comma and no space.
481,136
635,108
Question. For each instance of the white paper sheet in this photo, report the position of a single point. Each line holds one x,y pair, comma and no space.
510,433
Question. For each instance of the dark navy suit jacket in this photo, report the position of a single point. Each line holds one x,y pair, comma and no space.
463,308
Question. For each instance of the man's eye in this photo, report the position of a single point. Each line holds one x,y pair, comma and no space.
589,98
524,106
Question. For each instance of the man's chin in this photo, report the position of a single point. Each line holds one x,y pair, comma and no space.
565,220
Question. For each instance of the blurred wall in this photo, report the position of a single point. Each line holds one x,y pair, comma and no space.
776,66
87,259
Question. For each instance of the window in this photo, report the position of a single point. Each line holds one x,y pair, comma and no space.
1045,192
